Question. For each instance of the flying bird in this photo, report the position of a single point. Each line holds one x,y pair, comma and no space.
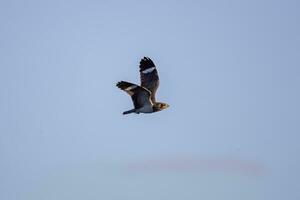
143,96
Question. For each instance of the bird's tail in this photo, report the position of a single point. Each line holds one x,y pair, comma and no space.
129,111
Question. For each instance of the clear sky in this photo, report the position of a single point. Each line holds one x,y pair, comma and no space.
229,71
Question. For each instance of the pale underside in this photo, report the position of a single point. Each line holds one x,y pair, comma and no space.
145,109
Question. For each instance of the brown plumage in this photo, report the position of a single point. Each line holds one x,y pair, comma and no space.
143,97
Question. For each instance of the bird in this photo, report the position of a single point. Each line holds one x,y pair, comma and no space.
143,95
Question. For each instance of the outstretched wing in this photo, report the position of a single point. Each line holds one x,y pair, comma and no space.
149,76
139,95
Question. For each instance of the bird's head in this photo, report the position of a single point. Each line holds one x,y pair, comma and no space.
158,106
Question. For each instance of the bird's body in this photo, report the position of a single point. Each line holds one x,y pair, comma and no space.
143,96
145,109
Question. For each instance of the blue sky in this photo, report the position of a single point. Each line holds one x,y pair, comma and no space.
229,71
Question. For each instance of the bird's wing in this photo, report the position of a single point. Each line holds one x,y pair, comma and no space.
149,76
139,95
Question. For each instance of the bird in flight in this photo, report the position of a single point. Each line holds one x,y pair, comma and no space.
143,96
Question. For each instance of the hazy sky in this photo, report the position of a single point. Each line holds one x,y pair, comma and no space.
228,69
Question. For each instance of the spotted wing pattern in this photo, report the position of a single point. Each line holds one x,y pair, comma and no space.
139,95
149,76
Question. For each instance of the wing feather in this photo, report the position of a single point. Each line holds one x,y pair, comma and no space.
149,76
140,96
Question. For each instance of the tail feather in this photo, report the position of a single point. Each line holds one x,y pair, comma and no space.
129,111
